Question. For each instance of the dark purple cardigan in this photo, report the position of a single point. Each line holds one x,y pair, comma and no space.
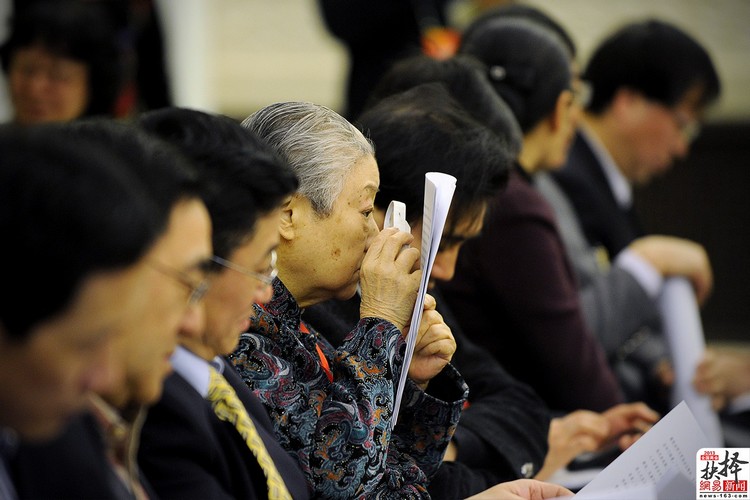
515,294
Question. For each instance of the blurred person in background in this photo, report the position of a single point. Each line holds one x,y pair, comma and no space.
63,61
377,34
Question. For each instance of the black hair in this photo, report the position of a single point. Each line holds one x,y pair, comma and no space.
653,58
77,30
165,175
466,79
527,64
524,11
241,178
425,130
69,209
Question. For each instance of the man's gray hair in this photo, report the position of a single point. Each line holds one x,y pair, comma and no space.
319,144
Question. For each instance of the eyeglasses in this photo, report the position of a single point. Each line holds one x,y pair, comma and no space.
197,289
266,278
686,122
689,127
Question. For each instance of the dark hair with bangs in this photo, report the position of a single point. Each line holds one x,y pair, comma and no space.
425,130
241,178
71,208
654,58
76,30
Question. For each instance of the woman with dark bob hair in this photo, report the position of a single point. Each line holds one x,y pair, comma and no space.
63,61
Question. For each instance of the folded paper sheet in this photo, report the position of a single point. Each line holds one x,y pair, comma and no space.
682,327
438,193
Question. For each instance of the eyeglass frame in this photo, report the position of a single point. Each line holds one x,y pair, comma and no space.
689,128
197,290
266,278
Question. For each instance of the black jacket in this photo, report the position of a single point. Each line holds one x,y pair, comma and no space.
187,452
603,221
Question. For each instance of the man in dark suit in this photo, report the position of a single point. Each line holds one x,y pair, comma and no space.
76,213
189,448
651,84
172,282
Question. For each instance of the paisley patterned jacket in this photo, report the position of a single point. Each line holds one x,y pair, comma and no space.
331,408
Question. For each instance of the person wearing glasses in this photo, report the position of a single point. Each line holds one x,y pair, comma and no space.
63,60
95,457
513,291
502,435
87,250
615,297
651,83
186,450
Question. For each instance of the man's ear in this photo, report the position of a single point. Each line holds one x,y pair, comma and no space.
291,210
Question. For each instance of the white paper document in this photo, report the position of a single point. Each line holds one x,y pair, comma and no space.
438,193
684,333
661,463
574,479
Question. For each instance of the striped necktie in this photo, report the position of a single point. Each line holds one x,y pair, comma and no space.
228,407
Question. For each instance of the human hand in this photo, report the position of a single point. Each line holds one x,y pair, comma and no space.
389,278
575,433
673,256
523,489
434,346
723,374
628,422
585,431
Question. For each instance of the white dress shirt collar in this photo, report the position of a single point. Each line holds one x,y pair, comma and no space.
194,369
619,185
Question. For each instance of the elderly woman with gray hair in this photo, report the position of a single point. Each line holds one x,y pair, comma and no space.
332,407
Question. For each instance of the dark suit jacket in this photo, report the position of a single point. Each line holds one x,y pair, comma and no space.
604,222
74,466
501,436
187,452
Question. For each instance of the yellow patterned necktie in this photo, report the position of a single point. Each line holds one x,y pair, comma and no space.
228,407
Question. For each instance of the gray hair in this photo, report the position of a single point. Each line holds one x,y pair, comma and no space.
319,144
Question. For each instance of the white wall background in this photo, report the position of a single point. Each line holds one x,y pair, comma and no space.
264,50
258,52
234,56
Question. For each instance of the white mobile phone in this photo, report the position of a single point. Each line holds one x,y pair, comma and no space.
395,216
